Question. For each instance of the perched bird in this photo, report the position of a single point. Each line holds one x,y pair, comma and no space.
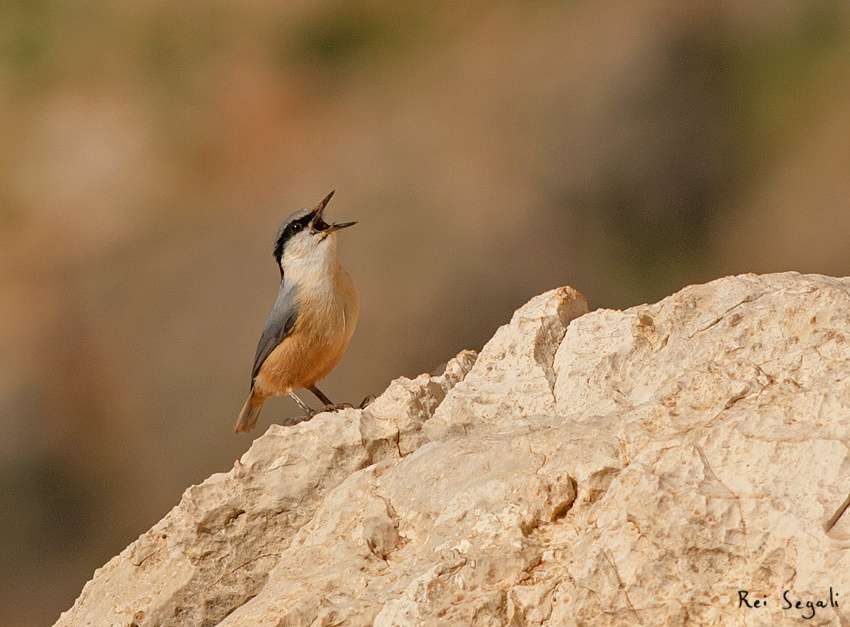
313,317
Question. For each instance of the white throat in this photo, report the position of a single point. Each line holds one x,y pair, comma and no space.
311,263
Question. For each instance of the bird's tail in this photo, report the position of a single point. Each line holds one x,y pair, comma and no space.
250,412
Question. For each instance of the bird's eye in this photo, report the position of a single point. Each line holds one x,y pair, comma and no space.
296,227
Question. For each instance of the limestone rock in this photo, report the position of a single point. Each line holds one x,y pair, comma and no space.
516,373
214,551
638,467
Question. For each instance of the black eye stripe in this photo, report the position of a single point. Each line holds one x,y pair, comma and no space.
299,224
291,229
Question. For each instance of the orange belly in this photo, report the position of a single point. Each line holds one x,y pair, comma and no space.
315,344
301,360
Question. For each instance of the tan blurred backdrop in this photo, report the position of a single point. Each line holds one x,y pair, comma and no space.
489,150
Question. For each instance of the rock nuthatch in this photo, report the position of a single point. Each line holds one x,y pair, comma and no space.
313,317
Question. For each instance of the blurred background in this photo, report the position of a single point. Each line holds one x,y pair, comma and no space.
490,150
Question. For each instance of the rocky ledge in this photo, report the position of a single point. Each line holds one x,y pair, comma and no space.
670,464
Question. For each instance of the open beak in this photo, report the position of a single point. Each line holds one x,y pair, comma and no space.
319,224
340,225
320,209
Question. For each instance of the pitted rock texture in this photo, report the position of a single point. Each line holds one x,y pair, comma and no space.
635,467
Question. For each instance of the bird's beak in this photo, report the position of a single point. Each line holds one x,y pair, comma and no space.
340,225
319,224
320,208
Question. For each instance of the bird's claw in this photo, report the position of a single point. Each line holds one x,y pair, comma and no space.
363,404
294,420
338,406
309,415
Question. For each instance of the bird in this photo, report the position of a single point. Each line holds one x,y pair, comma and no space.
312,320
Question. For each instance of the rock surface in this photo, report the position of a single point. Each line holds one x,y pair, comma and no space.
635,467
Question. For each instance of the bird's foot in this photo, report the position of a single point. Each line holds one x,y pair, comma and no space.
333,407
294,420
338,406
